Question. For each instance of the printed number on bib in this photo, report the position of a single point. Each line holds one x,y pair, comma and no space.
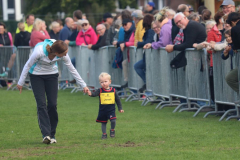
107,98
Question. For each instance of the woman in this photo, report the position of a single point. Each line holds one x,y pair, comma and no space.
39,33
55,30
157,31
6,37
220,22
140,66
43,71
87,35
165,33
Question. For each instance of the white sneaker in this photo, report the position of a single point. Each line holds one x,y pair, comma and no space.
53,140
46,140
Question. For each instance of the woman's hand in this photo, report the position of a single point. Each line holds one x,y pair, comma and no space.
148,45
121,111
19,88
85,89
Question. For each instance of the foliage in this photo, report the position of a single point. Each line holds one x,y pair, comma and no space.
141,132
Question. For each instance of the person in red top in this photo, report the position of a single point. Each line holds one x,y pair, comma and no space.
213,35
39,33
87,35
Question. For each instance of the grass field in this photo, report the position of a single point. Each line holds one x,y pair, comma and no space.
142,133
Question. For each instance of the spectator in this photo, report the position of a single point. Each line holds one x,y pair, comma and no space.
23,37
108,18
128,41
101,30
200,9
150,7
228,6
165,34
220,21
6,39
138,20
140,66
28,24
157,30
125,15
61,23
206,16
66,32
87,35
194,16
170,13
113,30
184,9
73,42
233,20
54,30
39,33
193,33
77,15
191,10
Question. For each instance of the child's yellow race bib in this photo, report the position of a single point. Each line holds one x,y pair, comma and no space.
107,98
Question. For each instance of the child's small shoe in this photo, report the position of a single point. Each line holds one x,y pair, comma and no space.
104,136
112,133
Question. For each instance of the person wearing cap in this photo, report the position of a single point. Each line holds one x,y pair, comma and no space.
66,32
54,30
108,18
129,30
138,20
228,6
150,7
101,30
190,8
87,35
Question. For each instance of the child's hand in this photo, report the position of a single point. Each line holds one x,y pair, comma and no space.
121,111
89,93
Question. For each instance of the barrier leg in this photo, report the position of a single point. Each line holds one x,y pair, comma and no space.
236,116
201,108
190,108
226,113
179,106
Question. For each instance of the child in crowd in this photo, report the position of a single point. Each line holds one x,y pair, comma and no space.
107,98
228,50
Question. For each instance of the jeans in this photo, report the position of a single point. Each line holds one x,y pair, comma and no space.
140,68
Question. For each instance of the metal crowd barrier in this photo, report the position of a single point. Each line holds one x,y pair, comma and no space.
8,55
134,81
223,93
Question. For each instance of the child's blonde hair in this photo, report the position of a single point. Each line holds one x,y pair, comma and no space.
104,74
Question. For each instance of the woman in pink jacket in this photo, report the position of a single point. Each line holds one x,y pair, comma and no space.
87,35
39,33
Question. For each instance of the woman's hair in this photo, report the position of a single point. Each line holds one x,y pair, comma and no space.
206,14
126,15
161,15
212,23
2,24
193,16
104,74
200,9
77,14
37,24
118,23
147,21
57,47
228,32
54,24
218,16
21,26
233,17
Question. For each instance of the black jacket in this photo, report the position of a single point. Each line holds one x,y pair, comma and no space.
175,30
53,35
101,41
235,34
147,38
22,39
73,35
4,39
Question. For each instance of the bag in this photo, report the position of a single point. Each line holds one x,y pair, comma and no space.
117,62
179,61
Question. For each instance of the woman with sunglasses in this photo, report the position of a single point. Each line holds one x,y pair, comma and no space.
87,35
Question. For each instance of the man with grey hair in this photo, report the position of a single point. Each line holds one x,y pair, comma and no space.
101,30
184,9
228,6
193,33
66,32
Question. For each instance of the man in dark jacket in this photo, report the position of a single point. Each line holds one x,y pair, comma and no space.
101,30
150,7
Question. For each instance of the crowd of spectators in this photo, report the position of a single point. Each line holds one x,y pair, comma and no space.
149,28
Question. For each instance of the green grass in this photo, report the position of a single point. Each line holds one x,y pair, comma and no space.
142,133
